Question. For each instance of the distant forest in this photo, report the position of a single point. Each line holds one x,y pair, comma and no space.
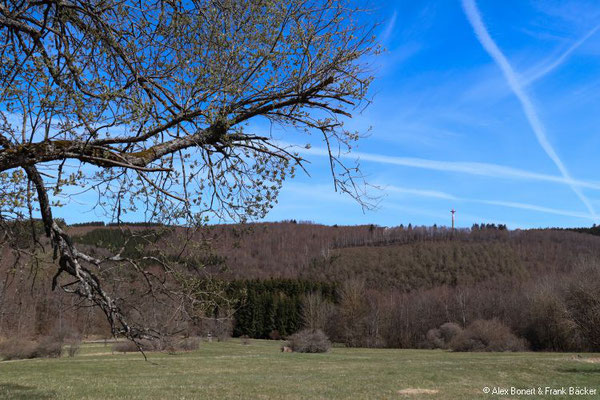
363,285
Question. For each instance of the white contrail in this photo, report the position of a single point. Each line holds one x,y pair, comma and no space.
420,192
550,67
471,168
490,46
533,207
385,35
523,206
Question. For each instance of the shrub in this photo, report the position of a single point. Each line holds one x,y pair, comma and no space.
309,341
188,344
14,349
166,343
434,339
223,337
73,342
449,331
487,335
441,337
49,347
170,344
73,348
125,347
17,349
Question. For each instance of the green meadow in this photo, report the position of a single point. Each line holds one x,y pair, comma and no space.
231,370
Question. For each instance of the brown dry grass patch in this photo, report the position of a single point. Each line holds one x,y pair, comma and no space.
413,391
592,360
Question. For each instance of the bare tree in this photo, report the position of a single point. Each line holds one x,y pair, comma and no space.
316,311
156,106
583,300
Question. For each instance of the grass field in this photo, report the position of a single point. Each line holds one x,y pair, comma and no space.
230,370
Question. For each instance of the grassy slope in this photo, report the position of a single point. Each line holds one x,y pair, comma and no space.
259,371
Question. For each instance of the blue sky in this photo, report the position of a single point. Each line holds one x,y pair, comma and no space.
488,107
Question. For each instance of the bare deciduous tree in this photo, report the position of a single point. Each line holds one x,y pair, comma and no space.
156,107
316,311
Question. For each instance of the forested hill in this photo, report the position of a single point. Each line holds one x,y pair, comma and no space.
402,258
381,286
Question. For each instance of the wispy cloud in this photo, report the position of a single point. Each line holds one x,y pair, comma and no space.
533,207
510,204
490,46
545,70
471,168
419,192
389,29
